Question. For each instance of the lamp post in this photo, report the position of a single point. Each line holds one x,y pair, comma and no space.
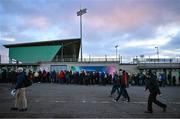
116,51
157,52
80,13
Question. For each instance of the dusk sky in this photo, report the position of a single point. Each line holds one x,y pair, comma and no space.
136,26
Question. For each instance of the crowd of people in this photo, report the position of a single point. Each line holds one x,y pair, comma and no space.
82,78
162,78
120,80
61,77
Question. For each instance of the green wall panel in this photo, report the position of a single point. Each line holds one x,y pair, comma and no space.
33,54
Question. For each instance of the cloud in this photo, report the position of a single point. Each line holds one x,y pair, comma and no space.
174,43
127,17
38,22
147,42
137,26
8,39
170,53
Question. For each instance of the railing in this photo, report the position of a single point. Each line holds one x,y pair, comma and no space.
87,60
155,60
159,65
99,60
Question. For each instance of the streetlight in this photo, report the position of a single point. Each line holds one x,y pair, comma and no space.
80,13
116,51
157,52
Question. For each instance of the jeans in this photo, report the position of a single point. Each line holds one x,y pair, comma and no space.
114,88
123,92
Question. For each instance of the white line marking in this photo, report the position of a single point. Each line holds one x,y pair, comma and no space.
139,102
36,100
105,102
61,101
94,102
102,102
178,103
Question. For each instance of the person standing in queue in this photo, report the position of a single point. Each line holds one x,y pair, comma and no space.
152,86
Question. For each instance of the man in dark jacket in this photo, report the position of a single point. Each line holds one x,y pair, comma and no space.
152,86
123,84
20,95
116,86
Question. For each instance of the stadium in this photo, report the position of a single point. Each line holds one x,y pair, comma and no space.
63,54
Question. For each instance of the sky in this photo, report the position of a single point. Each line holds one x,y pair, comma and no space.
136,26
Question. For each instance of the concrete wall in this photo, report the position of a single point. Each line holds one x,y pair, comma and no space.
69,64
131,68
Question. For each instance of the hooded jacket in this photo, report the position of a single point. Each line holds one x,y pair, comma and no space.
20,80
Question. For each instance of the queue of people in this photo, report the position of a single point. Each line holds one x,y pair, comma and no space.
163,80
83,77
63,77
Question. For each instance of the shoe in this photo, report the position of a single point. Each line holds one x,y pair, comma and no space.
14,108
128,100
114,100
23,110
164,109
148,111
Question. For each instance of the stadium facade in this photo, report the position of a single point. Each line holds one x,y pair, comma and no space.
64,55
46,51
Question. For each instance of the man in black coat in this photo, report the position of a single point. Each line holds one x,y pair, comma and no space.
152,86
20,94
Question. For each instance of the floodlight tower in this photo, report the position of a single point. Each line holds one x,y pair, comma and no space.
157,52
116,51
80,13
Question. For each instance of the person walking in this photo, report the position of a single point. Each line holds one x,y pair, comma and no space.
20,94
123,85
116,85
152,86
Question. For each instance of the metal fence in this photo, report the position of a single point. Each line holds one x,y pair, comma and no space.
156,60
88,60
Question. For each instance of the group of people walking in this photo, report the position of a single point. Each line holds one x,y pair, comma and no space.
120,83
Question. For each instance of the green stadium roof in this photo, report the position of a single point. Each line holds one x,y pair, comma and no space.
33,54
44,51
